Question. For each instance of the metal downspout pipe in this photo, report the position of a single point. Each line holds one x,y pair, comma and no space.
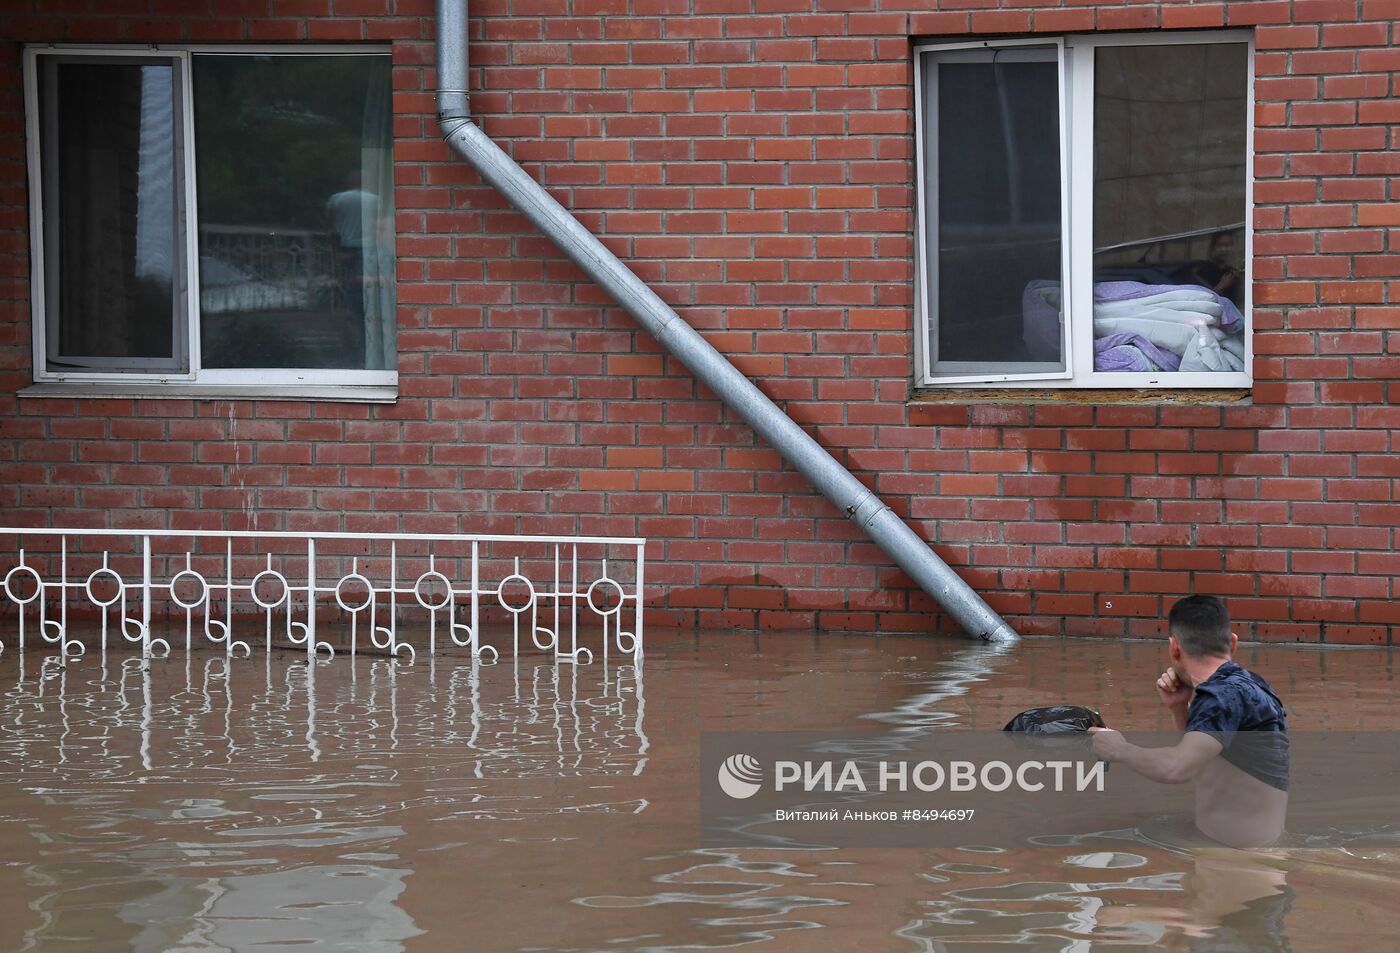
737,392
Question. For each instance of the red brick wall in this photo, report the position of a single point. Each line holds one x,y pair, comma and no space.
752,160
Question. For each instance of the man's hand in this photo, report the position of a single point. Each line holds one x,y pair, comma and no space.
1108,743
1173,694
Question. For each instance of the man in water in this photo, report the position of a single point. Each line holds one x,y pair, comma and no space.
1235,731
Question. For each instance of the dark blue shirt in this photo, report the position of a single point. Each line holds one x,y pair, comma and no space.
1239,709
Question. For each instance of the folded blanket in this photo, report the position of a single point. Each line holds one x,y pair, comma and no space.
1195,344
1124,357
1132,290
1128,351
1143,327
1191,312
1230,318
1233,350
1179,296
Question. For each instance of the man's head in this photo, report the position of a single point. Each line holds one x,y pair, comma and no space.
1199,627
1222,248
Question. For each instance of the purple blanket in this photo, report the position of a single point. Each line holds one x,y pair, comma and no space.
1126,351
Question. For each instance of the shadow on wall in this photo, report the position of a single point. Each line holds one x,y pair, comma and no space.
1107,514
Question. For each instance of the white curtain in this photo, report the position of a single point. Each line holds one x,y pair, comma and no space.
377,172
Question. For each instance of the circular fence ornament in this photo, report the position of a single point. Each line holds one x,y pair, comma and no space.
98,576
421,592
610,592
515,580
281,581
183,577
354,579
9,588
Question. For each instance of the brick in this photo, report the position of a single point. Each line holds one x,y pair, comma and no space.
1326,11
1062,20
1001,21
1378,111
1193,15
1382,214
1245,14
1325,114
1290,37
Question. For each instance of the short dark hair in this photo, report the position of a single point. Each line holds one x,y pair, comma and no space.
1202,625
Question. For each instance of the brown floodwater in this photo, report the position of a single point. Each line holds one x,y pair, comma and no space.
199,803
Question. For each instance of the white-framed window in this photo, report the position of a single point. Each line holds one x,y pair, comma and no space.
1083,213
212,220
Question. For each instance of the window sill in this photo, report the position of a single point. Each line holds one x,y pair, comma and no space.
343,393
1071,395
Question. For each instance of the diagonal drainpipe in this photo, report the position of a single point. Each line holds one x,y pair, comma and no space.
737,392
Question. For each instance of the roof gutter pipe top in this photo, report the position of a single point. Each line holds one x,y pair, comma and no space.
737,392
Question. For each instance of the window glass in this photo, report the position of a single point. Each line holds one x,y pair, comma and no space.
295,211
112,258
995,228
1170,147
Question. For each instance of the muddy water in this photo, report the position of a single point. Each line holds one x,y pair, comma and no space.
379,806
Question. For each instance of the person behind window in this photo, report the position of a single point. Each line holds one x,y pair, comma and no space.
354,214
1218,271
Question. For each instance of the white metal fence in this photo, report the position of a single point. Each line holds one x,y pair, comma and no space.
576,597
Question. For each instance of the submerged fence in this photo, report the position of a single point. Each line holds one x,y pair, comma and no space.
576,597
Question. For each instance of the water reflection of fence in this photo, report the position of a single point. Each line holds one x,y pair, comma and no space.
99,721
222,806
553,593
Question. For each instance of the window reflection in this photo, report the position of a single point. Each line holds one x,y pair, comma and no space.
295,211
109,214
1169,207
997,232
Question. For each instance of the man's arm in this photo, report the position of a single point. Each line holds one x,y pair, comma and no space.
1174,765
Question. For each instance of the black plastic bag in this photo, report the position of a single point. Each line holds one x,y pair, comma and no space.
1058,726
1056,720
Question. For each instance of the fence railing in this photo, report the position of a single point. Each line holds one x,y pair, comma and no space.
573,596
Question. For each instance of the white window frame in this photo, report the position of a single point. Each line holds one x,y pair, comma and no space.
1077,191
255,383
